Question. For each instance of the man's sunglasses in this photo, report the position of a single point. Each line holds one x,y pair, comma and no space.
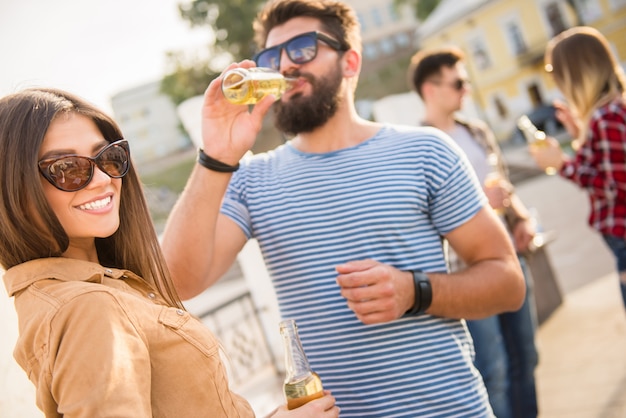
458,84
71,173
300,50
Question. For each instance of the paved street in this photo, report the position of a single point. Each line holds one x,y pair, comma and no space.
582,372
582,366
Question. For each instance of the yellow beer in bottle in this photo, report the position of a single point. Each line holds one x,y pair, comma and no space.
534,137
250,85
301,383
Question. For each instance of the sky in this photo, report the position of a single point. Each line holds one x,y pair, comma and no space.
93,48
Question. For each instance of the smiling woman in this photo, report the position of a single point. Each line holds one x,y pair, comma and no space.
87,274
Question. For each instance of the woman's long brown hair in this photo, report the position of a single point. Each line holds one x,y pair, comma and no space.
29,229
585,70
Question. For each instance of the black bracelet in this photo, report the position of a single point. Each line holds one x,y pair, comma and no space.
215,165
423,293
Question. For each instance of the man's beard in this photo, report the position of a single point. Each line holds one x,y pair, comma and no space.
305,114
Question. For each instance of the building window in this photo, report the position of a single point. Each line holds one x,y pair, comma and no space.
393,12
479,54
376,17
370,51
534,94
402,40
555,18
501,108
362,21
516,40
588,10
387,46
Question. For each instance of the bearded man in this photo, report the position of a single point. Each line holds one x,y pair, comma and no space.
350,216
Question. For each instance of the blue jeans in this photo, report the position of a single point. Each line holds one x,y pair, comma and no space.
618,247
506,357
491,361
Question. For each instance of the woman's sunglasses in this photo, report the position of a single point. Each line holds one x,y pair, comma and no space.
300,50
71,173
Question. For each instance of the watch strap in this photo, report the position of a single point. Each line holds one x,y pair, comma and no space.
423,293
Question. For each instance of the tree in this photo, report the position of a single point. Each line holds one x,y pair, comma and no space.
231,22
186,79
423,8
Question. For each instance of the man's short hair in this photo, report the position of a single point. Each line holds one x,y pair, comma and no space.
338,19
428,63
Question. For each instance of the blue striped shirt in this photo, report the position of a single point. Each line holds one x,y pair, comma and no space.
390,198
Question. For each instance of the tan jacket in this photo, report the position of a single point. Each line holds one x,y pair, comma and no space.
101,342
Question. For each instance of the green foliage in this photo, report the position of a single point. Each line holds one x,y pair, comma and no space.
186,80
163,182
231,21
172,176
391,79
423,8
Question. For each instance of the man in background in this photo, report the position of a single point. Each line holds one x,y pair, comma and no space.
504,344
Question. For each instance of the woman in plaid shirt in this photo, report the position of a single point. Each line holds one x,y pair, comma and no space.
593,84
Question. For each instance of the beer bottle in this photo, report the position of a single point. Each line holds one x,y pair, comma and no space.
534,137
250,85
301,383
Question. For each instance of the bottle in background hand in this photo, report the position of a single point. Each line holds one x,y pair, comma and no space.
534,137
494,179
301,383
250,85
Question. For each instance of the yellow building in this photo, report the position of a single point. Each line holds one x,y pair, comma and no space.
504,42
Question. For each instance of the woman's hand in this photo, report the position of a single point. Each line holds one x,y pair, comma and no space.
323,407
547,154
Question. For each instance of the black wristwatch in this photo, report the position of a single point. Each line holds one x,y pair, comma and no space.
423,293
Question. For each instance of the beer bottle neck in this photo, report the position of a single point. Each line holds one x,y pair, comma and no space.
296,363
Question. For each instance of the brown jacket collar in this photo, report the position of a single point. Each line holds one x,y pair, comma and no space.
19,277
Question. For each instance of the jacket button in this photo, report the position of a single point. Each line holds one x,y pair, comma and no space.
180,312
151,295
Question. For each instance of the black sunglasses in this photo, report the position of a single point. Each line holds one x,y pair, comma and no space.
71,173
458,84
300,50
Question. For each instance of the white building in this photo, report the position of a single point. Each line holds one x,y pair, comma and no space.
149,122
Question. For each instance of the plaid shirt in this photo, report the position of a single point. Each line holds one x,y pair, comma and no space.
599,166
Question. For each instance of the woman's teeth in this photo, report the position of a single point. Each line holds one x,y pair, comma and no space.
97,204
